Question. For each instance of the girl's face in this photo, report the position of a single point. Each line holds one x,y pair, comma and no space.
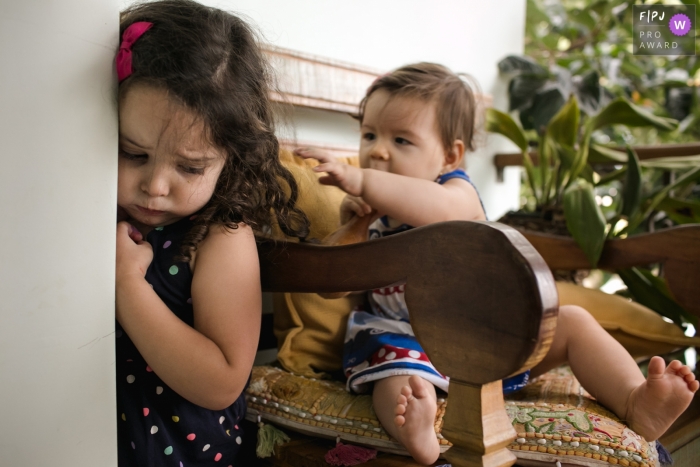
400,135
167,168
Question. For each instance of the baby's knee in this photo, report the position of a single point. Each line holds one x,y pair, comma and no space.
575,317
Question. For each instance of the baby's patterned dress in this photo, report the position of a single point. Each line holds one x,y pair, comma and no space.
380,342
155,425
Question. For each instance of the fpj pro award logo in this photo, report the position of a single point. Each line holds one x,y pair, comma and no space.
664,30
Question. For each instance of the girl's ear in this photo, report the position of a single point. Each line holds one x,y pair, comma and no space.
454,156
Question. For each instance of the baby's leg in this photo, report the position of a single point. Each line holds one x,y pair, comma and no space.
406,406
608,372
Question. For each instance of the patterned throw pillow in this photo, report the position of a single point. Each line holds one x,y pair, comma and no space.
555,419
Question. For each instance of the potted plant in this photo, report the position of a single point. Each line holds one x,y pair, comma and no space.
563,183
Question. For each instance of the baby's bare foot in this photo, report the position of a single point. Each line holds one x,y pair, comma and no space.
415,419
656,403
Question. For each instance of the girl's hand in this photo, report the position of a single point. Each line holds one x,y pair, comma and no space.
353,206
344,176
134,255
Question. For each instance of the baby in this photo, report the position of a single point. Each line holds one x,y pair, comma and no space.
416,124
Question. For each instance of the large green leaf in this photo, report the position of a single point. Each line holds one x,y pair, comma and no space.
563,127
584,219
600,154
589,91
502,123
623,112
672,163
632,188
545,105
654,200
652,292
681,211
521,64
522,89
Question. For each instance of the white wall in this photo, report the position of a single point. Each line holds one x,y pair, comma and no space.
57,207
466,35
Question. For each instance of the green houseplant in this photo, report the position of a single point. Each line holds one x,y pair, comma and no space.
563,180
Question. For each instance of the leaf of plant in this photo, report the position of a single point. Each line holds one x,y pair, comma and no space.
632,188
502,123
521,64
545,105
672,163
598,153
584,219
588,90
681,211
623,112
563,127
522,89
679,101
651,203
653,295
616,175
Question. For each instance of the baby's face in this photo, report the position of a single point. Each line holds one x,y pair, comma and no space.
167,169
400,135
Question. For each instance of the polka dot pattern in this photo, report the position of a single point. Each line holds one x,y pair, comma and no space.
158,426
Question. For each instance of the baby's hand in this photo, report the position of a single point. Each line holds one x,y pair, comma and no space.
134,255
353,206
344,176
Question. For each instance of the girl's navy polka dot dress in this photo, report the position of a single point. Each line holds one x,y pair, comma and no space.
156,426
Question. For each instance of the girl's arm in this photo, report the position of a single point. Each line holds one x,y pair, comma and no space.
409,200
209,364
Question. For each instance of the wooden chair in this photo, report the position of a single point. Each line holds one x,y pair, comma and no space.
484,307
482,301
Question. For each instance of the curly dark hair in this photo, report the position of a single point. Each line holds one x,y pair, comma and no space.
210,61
453,95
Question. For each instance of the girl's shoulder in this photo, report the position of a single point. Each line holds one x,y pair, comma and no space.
225,244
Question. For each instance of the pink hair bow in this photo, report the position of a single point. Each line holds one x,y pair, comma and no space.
131,35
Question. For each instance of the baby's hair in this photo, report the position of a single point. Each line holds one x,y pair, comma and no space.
453,95
209,60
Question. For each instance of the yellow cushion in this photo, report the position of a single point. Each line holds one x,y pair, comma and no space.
640,330
310,330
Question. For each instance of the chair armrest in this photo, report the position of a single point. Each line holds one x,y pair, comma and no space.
677,249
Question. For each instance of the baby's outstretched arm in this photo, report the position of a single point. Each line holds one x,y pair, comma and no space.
413,201
210,363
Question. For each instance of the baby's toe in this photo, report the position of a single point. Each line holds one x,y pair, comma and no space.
400,409
399,420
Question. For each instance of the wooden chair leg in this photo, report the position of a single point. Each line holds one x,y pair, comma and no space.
477,425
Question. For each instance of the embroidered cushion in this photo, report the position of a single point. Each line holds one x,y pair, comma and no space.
554,418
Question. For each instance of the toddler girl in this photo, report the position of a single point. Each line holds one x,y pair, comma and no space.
416,124
198,173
